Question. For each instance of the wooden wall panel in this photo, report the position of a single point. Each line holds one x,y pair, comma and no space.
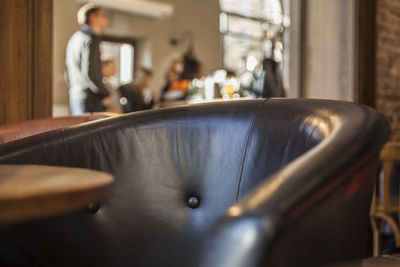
25,54
14,61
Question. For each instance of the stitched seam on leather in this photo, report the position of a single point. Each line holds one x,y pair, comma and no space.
249,131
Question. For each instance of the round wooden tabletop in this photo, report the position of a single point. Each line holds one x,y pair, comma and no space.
34,191
380,261
384,260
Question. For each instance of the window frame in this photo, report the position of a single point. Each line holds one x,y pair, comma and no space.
124,40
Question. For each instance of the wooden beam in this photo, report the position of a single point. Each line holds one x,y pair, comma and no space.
14,61
365,49
42,28
25,62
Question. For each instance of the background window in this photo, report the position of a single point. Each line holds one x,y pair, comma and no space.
253,30
123,52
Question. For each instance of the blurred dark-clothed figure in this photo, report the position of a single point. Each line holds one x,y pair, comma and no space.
137,96
269,83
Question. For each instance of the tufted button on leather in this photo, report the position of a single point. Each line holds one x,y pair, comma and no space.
93,207
193,202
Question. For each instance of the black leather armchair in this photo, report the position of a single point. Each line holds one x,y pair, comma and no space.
278,182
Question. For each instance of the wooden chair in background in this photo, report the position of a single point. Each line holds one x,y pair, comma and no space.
384,206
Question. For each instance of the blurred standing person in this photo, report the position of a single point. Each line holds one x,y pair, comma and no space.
109,69
83,65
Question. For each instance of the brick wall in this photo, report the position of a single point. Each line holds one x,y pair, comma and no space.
388,63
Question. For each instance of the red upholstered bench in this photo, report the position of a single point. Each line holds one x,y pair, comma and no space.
18,130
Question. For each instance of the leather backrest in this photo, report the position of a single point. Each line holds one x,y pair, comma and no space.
315,210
